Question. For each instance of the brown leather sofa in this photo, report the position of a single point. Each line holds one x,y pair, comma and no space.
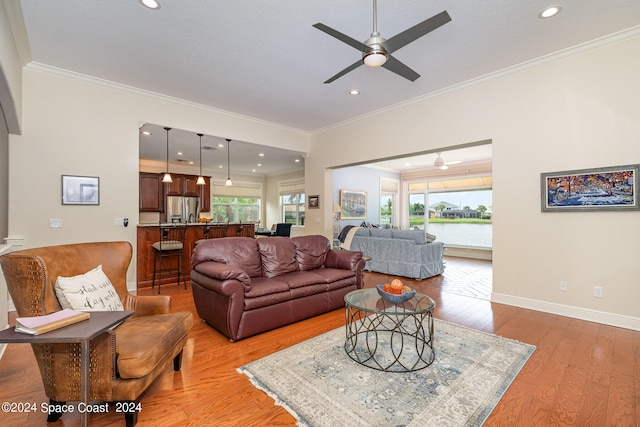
244,286
125,360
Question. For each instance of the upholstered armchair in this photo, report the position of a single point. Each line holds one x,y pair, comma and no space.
124,360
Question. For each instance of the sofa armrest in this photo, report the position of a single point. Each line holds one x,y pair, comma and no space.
345,260
431,252
222,272
148,305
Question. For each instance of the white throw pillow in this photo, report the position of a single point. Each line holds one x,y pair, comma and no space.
91,291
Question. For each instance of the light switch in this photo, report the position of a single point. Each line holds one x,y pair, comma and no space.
55,222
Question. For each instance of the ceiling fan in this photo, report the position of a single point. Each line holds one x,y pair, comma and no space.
440,163
376,50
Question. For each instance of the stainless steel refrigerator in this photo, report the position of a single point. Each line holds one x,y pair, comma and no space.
182,209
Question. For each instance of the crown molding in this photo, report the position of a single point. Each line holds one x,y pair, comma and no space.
61,72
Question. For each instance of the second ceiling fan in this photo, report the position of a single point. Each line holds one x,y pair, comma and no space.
376,50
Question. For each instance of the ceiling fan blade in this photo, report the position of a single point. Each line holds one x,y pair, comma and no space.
399,68
346,70
407,36
342,37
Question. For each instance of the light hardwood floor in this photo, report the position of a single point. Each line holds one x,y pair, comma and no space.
581,374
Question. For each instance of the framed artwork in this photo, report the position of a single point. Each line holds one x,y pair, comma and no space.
80,190
353,204
313,202
599,189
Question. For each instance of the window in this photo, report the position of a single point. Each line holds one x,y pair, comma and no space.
293,208
238,203
236,209
292,200
457,211
389,189
386,208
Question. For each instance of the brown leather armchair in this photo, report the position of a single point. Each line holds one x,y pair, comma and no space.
125,360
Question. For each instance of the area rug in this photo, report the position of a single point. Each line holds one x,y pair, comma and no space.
320,385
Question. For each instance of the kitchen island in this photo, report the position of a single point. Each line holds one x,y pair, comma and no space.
147,234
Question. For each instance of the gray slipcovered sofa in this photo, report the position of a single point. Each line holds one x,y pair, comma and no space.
398,252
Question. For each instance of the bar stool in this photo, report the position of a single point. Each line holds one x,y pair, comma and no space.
216,231
171,243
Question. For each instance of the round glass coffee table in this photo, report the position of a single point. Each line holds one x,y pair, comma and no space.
386,336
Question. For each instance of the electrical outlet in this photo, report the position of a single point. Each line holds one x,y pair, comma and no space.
563,286
597,292
55,222
119,222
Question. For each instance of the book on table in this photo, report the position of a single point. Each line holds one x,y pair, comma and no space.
40,324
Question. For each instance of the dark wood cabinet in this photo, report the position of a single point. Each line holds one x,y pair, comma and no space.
190,186
153,191
204,191
151,197
175,188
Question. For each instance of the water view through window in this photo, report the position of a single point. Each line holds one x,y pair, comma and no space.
457,218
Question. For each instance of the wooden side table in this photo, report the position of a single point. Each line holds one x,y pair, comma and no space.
82,332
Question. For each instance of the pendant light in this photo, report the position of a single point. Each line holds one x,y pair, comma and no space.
228,183
167,175
200,180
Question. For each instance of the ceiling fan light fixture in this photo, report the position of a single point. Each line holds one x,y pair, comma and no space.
375,58
439,162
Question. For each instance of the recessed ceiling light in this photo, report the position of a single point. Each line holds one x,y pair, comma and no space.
297,160
259,164
261,154
354,92
253,170
146,133
220,167
221,145
549,12
151,4
179,153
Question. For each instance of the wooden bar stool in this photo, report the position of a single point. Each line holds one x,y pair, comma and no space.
171,243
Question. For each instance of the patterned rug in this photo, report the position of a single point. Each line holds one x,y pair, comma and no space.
321,386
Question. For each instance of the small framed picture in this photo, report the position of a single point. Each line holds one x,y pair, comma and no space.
80,190
314,202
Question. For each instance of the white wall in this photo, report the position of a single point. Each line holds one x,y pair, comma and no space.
574,112
78,126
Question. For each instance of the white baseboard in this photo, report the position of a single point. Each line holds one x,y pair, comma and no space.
605,318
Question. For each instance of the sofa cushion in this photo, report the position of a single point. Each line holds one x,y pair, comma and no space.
300,279
311,251
265,292
417,236
362,232
264,286
334,274
143,342
239,252
379,232
278,256
91,291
